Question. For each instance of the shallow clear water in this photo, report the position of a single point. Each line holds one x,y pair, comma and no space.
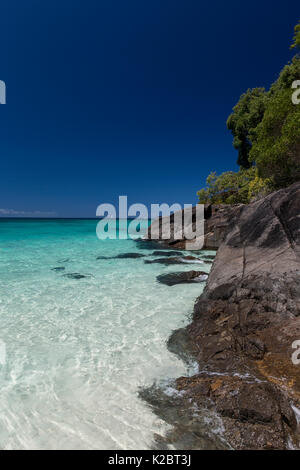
77,350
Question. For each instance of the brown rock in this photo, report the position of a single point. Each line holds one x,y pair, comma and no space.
246,320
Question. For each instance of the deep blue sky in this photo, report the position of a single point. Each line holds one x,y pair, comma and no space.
114,97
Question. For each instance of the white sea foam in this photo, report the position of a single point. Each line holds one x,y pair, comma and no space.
191,261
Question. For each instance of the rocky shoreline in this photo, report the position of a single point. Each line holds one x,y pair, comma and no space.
243,328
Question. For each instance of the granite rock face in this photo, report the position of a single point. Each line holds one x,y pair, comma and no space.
246,321
215,225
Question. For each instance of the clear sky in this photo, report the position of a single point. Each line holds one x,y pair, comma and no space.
127,97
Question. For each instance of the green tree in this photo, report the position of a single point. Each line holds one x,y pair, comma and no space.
231,187
276,139
246,115
296,43
266,132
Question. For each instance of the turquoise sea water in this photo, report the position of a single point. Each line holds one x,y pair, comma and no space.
77,350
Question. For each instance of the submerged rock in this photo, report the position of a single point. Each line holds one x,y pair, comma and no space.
144,244
191,259
255,415
123,256
175,260
211,257
76,275
187,277
129,255
199,428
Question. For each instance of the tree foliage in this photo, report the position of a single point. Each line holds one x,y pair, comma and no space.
233,187
266,132
296,43
247,114
276,140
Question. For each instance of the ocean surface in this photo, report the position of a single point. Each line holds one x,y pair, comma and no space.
74,351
